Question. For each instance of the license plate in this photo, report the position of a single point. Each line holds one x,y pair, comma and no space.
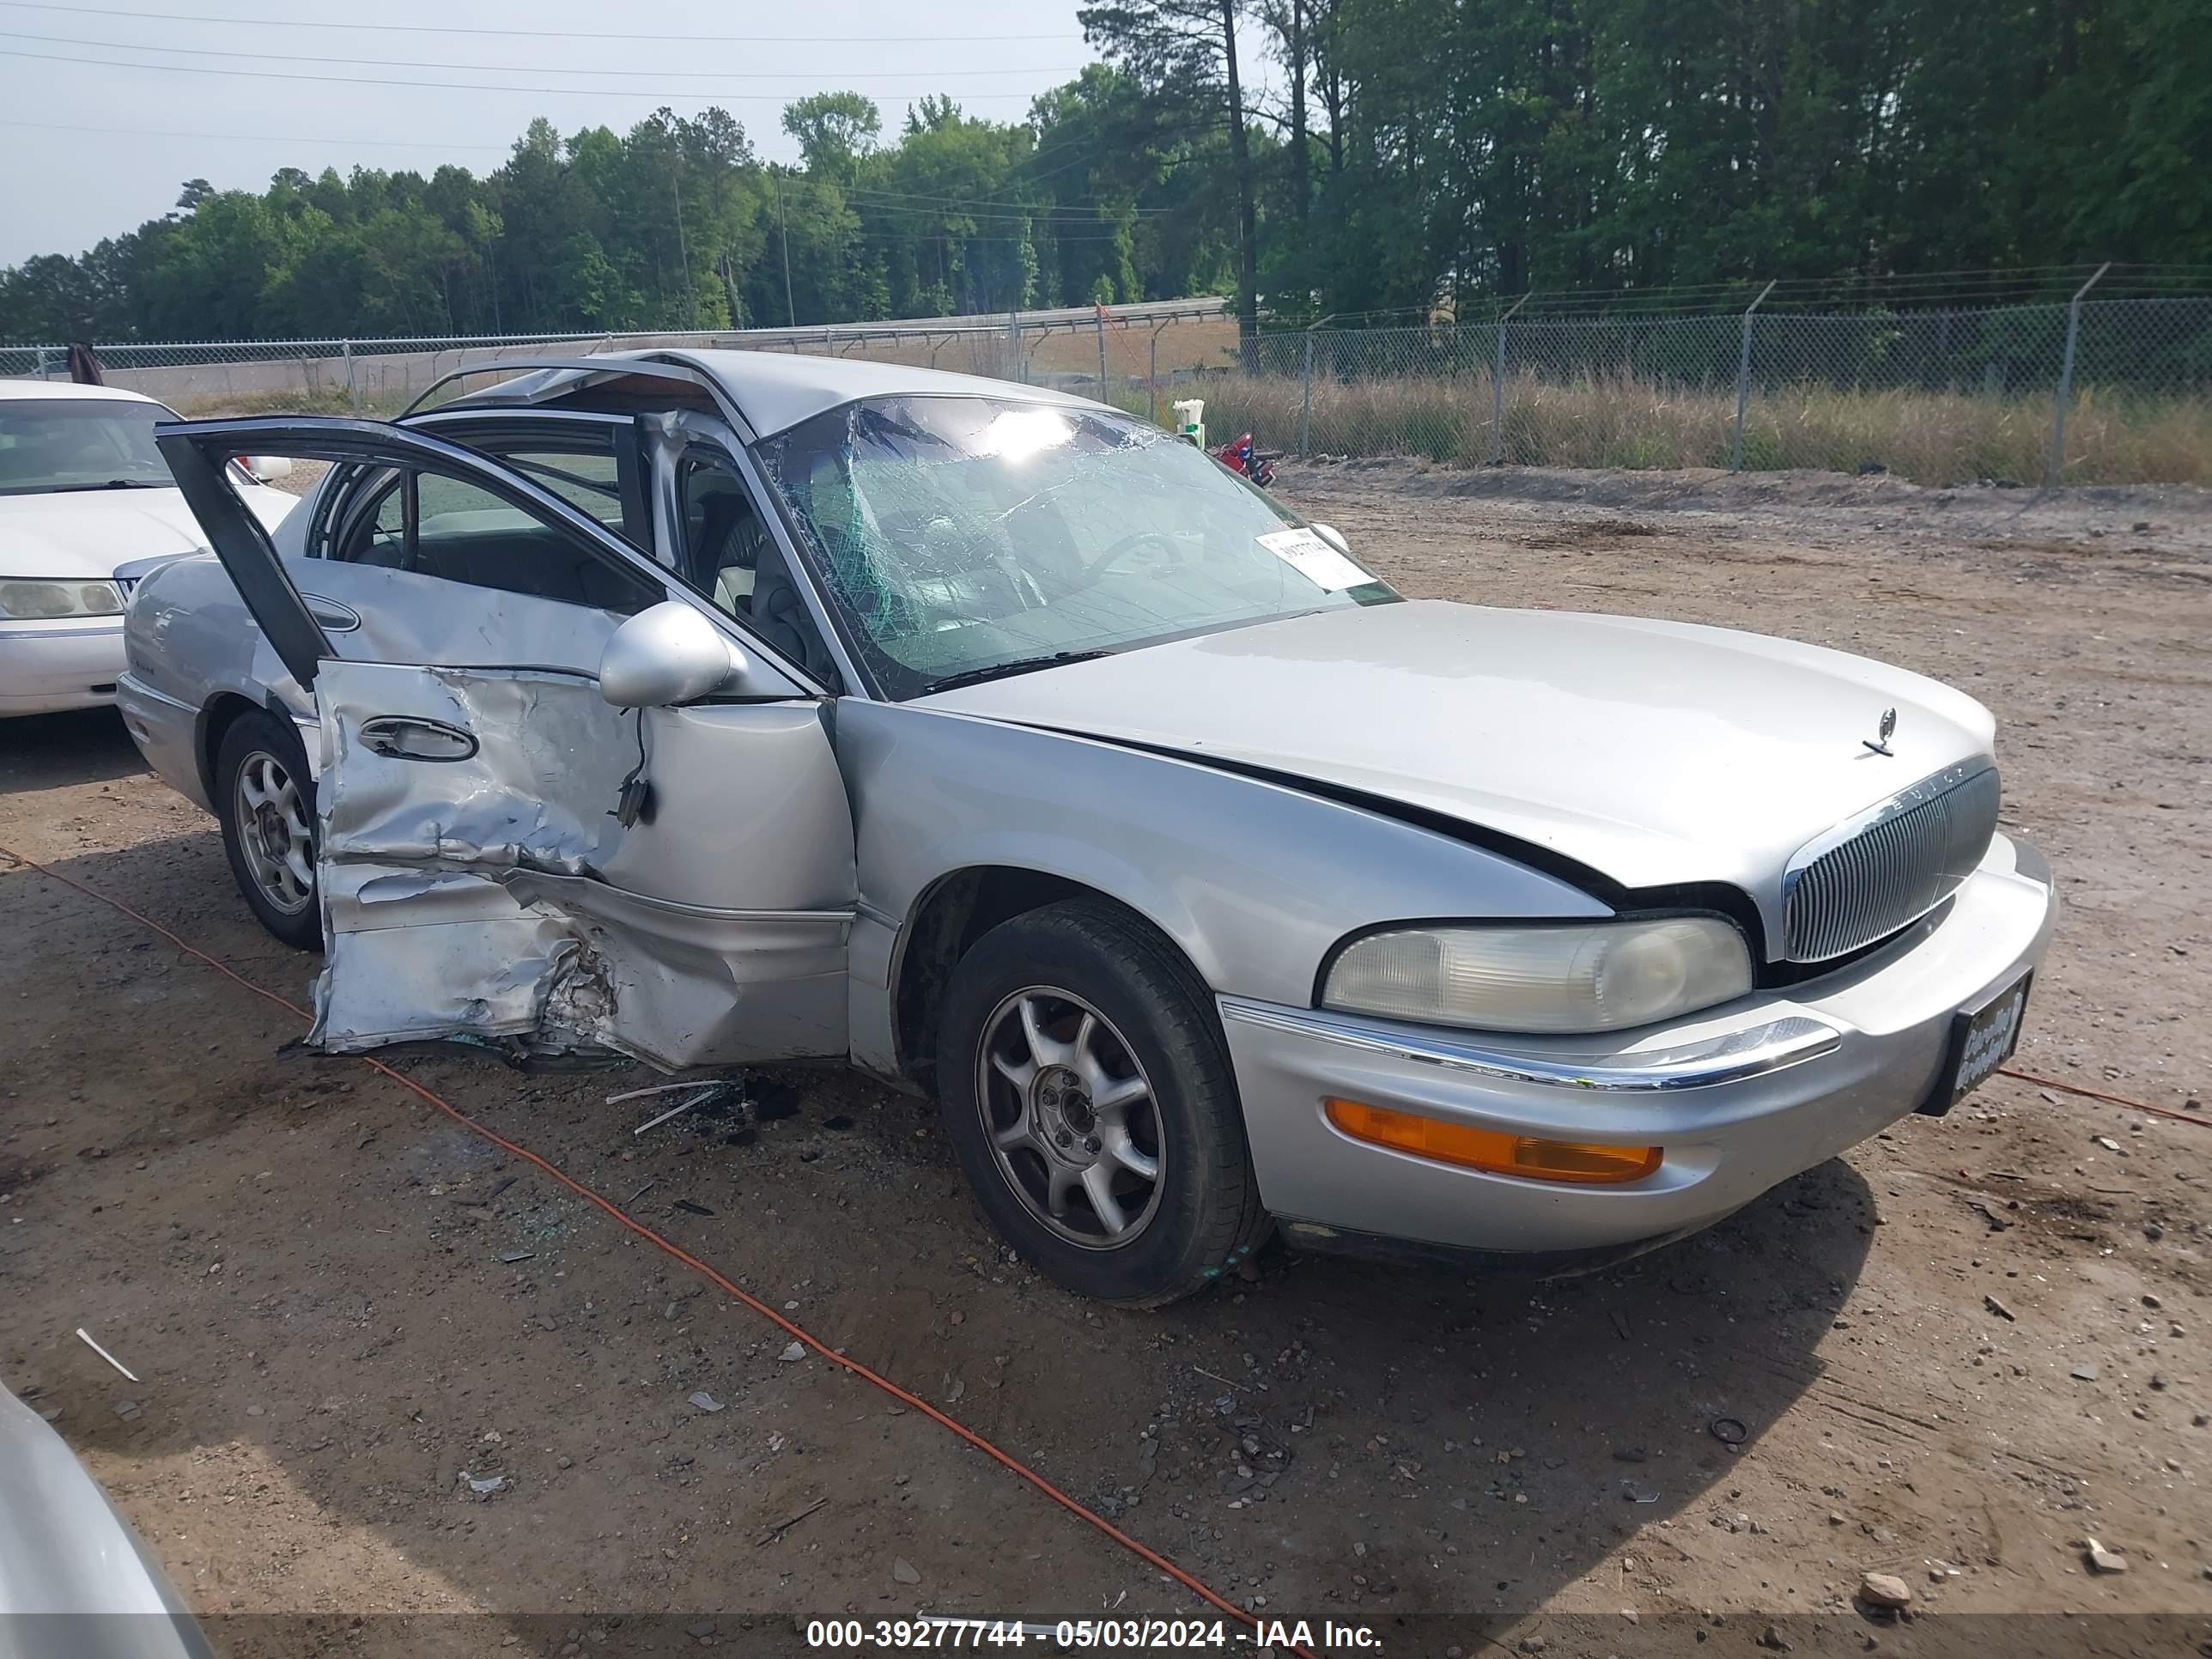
1982,1039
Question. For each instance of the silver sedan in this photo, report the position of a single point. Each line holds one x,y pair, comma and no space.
715,708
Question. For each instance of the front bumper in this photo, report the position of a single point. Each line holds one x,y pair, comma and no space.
69,663
1740,1099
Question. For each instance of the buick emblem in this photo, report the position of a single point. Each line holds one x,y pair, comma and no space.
1879,745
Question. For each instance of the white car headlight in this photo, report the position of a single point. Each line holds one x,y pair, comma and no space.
25,601
1595,976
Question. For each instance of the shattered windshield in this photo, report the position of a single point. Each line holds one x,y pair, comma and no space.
968,538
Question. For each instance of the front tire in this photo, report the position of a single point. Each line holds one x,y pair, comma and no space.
265,802
1088,1094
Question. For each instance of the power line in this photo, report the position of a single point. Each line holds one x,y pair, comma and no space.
533,34
494,69
254,137
460,85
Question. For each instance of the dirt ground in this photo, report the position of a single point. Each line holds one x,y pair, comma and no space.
342,1306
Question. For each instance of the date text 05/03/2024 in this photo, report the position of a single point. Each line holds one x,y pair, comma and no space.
1074,1635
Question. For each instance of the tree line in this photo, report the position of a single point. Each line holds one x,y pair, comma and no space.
1397,156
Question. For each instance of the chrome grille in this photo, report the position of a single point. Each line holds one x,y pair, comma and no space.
1866,880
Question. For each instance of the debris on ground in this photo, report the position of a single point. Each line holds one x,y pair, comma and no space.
904,1571
1885,1589
2102,1560
85,1336
706,1402
720,1093
1999,1309
794,1351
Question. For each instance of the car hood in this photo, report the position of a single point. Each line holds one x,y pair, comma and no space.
86,533
1652,753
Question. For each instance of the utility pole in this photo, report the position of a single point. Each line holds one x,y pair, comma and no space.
791,312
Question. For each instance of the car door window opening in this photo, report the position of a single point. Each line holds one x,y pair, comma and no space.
443,526
960,536
732,557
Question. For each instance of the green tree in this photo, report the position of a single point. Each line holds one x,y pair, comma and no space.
1185,52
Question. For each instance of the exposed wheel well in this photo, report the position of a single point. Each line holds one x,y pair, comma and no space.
217,718
951,914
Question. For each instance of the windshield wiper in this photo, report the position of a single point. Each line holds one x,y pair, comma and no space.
109,483
1020,666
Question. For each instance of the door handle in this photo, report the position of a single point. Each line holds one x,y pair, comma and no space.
406,737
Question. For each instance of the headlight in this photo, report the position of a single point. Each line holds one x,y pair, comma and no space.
1599,976
24,601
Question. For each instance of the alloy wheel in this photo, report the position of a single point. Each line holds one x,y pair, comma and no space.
1071,1117
275,833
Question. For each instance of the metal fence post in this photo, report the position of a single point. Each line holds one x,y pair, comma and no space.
1743,381
42,363
1305,402
2066,378
353,392
1498,386
1152,382
1102,354
1014,340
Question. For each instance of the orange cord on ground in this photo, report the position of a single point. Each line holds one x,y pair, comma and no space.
2094,1094
1004,1460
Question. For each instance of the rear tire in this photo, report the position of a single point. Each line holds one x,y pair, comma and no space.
1087,1090
265,799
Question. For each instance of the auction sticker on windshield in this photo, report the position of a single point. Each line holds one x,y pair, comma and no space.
1316,560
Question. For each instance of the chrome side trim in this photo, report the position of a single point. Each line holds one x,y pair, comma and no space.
1703,1064
27,631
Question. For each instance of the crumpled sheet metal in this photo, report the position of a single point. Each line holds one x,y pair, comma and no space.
421,941
695,985
463,899
499,806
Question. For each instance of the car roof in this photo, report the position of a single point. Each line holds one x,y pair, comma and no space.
776,390
10,389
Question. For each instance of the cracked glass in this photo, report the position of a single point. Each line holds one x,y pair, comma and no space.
964,539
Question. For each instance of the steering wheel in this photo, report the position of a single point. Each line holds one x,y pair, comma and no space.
1128,545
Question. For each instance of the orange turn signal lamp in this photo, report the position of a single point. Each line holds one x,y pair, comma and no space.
1494,1149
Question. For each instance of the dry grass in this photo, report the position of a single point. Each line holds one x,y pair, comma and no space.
1620,420
294,401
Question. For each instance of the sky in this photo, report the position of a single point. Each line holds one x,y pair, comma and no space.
122,100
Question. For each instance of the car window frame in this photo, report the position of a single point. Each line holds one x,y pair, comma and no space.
679,430
367,498
470,427
255,566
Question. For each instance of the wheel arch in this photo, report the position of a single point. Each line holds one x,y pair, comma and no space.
957,910
221,713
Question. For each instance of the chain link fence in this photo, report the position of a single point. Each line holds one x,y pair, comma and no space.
2102,391
1118,351
2107,392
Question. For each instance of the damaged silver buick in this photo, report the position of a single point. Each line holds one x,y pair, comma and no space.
715,708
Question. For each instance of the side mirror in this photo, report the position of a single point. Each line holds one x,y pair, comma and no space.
267,469
667,654
1333,536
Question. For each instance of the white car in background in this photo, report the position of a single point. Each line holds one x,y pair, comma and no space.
85,501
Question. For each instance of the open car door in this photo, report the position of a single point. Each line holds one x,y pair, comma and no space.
505,857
